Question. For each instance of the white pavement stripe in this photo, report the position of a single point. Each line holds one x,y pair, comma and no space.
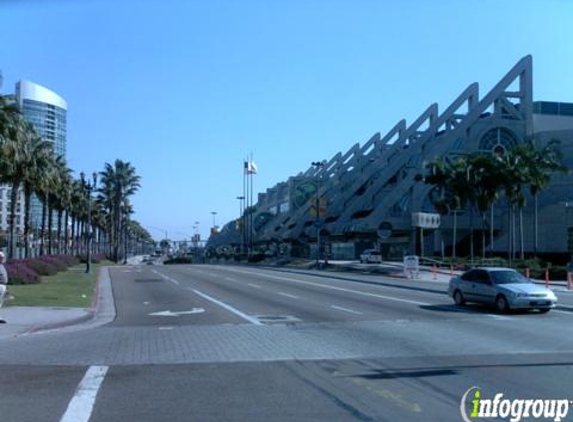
500,317
256,286
81,406
228,308
288,295
230,279
340,289
340,308
562,312
166,277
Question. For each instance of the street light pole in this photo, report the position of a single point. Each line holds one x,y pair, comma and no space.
214,213
317,223
89,187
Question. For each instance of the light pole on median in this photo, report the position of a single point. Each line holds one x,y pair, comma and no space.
89,187
214,213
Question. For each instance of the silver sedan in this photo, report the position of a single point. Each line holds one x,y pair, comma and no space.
503,287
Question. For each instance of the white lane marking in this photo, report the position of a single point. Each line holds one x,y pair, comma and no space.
256,286
340,308
562,312
340,289
166,277
499,317
170,313
165,328
287,295
230,279
81,406
228,308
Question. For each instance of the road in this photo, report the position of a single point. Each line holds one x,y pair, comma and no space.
236,343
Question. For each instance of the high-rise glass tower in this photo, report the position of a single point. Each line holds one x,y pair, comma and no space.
47,111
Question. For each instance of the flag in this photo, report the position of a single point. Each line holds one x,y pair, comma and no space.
250,167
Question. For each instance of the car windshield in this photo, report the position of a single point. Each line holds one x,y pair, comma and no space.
508,277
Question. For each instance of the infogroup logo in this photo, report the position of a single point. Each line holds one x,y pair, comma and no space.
473,407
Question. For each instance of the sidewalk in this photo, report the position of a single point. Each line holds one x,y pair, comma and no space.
395,269
24,320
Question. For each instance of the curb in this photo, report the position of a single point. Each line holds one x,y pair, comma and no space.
91,314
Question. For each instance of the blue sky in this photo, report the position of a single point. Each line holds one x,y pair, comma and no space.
184,90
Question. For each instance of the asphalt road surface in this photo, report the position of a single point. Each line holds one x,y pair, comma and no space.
223,343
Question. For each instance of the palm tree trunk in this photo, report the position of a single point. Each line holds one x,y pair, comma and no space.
535,225
482,214
491,231
522,252
59,235
471,232
12,218
27,208
455,235
514,237
509,232
50,218
66,234
73,245
43,230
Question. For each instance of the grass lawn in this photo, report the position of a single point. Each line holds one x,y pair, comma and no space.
71,288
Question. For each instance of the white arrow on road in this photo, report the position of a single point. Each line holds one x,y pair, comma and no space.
178,313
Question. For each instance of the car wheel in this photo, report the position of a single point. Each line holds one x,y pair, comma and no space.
501,304
544,310
459,298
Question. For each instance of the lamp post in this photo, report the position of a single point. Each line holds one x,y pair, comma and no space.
89,187
214,213
317,222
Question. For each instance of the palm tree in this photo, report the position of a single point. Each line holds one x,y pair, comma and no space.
453,180
39,162
118,183
485,183
541,164
14,159
62,200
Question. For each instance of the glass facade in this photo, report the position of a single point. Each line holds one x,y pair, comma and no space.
48,114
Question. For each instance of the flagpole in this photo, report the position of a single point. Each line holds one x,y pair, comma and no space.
251,214
243,205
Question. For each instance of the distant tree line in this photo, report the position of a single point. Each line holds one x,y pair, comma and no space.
28,164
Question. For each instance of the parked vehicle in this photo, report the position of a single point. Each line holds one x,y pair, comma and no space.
371,256
503,287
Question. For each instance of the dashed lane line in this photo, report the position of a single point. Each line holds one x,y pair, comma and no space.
351,311
288,295
256,286
340,289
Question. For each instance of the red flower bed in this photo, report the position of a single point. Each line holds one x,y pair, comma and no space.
19,273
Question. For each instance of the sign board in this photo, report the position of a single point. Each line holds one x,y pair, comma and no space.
385,231
411,266
426,220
